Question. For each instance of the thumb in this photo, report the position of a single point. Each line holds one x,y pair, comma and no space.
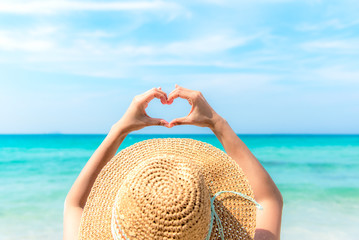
179,121
158,122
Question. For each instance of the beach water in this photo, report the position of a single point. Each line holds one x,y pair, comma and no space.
318,176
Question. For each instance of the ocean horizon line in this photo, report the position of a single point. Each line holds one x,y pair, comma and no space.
179,134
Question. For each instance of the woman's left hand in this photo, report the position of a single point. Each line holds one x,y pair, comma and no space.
136,117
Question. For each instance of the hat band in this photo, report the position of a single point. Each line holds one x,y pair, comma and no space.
116,229
116,233
218,220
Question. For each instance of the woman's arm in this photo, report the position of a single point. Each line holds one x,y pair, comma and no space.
77,196
265,190
135,118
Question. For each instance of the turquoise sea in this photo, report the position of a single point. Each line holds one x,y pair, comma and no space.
318,176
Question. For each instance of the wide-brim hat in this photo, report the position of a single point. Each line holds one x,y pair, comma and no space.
163,189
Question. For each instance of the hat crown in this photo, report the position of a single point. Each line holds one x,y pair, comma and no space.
220,173
164,197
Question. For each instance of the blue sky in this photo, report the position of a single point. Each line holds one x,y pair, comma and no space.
267,66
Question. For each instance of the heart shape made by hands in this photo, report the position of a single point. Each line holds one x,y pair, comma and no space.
179,108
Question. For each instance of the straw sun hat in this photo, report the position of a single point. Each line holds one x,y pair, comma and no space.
171,188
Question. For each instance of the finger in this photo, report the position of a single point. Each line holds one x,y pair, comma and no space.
184,89
177,87
160,90
157,122
163,100
185,92
180,121
154,93
149,92
178,92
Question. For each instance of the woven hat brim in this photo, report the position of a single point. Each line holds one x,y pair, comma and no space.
221,173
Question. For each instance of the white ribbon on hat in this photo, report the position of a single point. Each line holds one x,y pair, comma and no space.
215,215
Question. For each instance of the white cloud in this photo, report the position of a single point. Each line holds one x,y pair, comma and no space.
230,83
338,75
97,34
56,6
42,31
333,23
241,2
85,43
204,45
340,45
34,39
96,53
191,47
16,41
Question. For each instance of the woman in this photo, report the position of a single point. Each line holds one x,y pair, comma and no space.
268,220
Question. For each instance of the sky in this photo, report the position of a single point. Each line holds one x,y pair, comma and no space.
266,66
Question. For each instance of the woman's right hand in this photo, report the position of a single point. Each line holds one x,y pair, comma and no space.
201,114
